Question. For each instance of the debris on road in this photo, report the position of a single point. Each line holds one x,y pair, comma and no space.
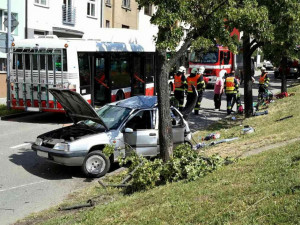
260,113
212,136
247,129
284,118
203,145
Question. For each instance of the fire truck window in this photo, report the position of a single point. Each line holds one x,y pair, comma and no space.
120,73
226,57
204,57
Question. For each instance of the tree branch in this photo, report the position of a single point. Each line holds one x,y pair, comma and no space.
254,47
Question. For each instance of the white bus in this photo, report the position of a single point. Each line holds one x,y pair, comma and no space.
117,65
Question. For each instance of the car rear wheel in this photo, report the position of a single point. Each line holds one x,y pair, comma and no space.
95,164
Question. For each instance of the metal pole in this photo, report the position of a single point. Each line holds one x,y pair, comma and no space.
8,54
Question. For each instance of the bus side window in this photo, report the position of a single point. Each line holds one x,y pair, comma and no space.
84,69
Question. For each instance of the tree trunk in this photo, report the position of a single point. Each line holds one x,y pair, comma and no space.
248,98
283,75
165,124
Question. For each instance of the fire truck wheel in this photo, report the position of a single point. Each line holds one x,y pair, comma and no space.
120,95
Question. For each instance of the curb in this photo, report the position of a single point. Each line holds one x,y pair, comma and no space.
15,115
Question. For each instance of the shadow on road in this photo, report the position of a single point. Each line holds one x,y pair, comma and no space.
47,170
44,117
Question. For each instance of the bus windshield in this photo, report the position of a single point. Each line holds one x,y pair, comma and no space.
201,57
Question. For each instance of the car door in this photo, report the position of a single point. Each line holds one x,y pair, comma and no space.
140,133
178,127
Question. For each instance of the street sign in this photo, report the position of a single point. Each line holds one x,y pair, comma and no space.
3,42
14,23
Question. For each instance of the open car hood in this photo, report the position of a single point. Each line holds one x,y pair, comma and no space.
76,107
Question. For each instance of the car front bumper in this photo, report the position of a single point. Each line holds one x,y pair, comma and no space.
67,158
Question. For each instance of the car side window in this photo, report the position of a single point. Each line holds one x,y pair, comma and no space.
142,120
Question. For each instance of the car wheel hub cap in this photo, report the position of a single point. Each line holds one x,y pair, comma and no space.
95,164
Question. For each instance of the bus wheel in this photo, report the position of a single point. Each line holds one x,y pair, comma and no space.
120,96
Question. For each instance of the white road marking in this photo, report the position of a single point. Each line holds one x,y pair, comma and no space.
23,185
21,145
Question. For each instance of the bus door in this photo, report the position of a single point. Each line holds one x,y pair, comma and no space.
138,84
149,70
120,76
101,88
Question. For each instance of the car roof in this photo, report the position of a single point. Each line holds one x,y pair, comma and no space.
138,102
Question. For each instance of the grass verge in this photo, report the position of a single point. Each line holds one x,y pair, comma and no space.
5,112
262,189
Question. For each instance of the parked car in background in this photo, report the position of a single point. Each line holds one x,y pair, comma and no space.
292,70
268,65
131,122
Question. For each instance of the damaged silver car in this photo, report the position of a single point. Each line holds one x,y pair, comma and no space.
133,122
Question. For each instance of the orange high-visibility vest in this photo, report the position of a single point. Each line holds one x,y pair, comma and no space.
192,81
177,81
262,78
230,85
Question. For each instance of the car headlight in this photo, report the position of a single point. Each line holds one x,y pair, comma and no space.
61,147
38,141
295,69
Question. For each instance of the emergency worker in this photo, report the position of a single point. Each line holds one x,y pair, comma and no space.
231,89
263,84
180,86
195,79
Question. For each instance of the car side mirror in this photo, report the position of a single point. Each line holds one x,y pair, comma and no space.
128,130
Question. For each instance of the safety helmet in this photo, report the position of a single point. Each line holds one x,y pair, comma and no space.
194,70
201,69
181,69
263,69
222,73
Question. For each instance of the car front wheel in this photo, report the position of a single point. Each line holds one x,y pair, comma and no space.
95,164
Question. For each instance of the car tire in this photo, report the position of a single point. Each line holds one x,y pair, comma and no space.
95,164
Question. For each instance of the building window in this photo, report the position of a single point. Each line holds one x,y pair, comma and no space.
108,3
125,26
41,2
91,8
107,24
148,10
3,62
126,4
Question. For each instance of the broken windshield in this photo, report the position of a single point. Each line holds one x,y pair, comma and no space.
111,115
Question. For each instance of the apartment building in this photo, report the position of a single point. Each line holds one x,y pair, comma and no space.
73,19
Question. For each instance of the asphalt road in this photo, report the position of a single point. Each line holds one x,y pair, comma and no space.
30,184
